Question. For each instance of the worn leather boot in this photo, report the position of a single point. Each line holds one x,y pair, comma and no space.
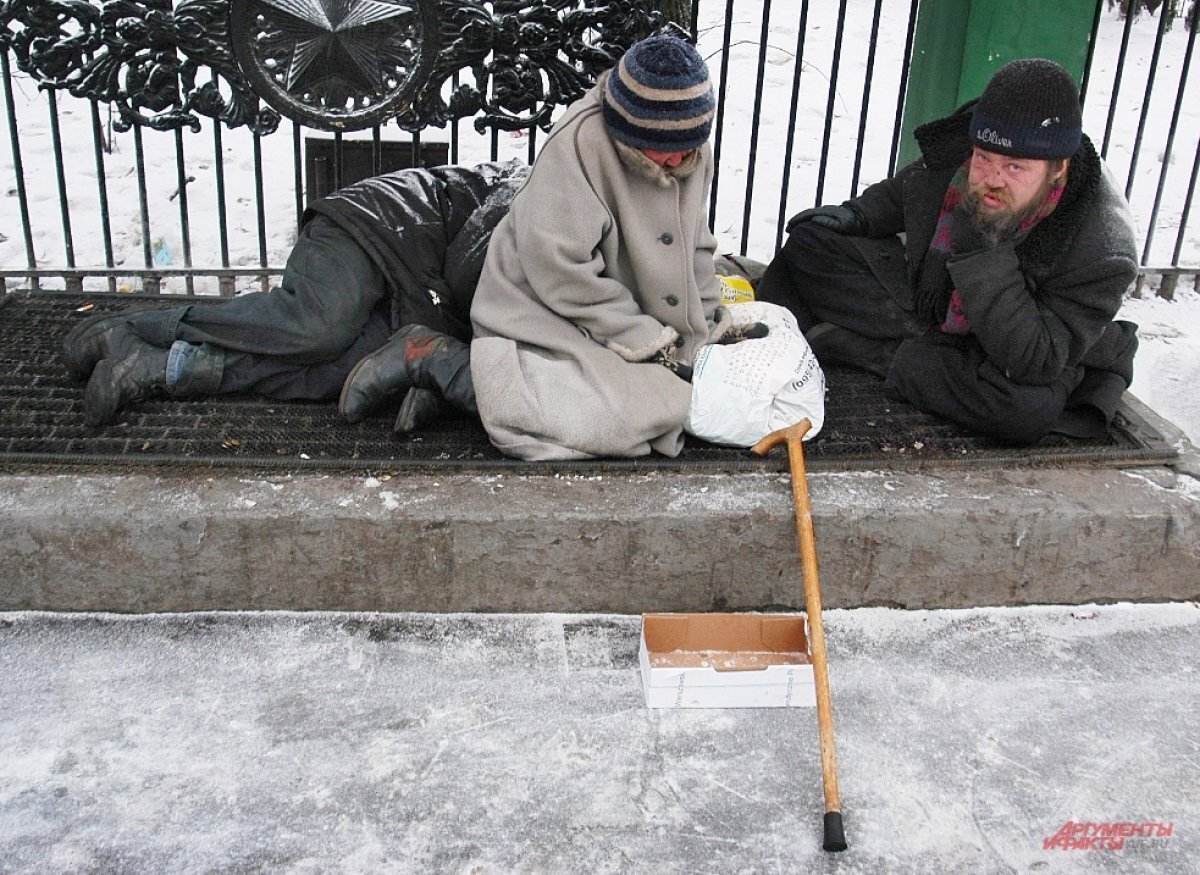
134,370
415,356
91,340
419,408
448,373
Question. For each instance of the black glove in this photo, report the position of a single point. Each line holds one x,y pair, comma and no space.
668,357
842,218
745,331
724,330
965,236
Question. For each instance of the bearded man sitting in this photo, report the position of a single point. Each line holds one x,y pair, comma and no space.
980,282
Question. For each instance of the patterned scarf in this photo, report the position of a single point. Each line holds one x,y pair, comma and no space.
955,321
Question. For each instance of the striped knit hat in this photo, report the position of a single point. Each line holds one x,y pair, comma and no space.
659,96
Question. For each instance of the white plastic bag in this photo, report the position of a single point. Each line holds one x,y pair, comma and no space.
741,392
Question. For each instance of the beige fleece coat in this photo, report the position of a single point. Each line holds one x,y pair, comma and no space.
602,261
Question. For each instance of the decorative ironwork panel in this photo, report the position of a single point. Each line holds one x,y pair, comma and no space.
524,58
348,64
336,64
330,64
142,56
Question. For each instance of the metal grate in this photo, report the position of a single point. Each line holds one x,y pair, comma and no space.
41,424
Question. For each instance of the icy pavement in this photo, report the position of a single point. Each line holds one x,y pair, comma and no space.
468,743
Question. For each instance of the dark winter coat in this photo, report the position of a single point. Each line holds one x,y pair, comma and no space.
1040,308
428,231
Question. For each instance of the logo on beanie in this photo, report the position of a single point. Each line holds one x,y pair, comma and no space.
987,135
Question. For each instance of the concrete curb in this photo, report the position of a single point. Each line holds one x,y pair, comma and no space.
938,538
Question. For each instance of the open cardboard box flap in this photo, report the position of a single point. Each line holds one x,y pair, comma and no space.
779,638
726,660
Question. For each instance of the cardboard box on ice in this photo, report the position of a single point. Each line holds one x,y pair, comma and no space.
726,661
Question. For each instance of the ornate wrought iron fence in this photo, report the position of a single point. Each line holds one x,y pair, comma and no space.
149,141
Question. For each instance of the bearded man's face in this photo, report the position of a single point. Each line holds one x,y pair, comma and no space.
1002,190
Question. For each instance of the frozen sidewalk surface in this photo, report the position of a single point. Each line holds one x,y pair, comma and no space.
469,743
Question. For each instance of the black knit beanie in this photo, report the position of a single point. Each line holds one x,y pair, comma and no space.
1030,109
659,96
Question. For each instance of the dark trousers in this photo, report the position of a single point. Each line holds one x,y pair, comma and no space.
854,282
862,286
297,341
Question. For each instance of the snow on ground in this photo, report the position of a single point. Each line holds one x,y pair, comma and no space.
412,743
1167,368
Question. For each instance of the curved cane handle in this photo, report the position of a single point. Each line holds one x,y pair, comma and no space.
795,431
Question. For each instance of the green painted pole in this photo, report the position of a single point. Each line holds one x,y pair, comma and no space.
959,44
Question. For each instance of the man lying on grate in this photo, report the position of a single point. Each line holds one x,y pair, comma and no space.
383,254
996,308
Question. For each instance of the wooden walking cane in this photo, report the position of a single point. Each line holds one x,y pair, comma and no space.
793,436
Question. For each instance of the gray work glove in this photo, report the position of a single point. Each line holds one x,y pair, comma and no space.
843,218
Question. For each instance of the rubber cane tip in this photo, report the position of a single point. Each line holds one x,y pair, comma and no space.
835,836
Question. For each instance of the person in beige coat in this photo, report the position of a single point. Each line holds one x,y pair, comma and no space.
599,285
